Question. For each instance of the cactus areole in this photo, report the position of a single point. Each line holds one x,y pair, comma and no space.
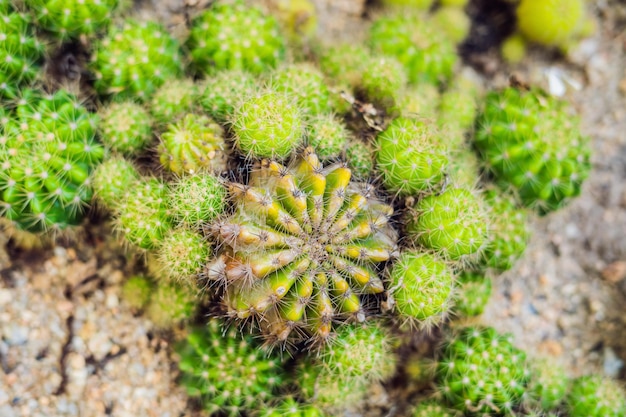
302,248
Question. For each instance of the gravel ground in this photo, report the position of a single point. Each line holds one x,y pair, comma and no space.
69,346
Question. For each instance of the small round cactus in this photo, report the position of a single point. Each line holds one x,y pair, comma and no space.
548,386
327,135
453,22
420,102
411,157
302,247
550,22
72,18
306,85
112,180
182,256
20,50
421,287
480,371
472,294
125,127
427,55
136,291
219,93
197,199
235,37
431,409
418,4
531,141
596,396
268,126
171,303
344,64
383,81
47,153
452,223
513,49
192,145
358,157
173,100
229,373
289,407
134,60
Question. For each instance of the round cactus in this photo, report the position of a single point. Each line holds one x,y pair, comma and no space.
452,223
454,3
143,215
289,407
112,180
197,199
20,51
302,247
136,291
327,135
72,18
550,22
431,409
125,127
383,81
427,55
472,295
418,4
170,304
532,142
513,49
344,64
306,85
297,18
134,60
596,396
47,153
508,232
420,102
411,157
230,36
219,93
182,256
228,373
268,126
421,287
358,157
482,372
457,111
173,100
453,22
192,145
548,385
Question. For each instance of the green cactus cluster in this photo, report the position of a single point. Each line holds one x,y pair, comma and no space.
595,396
72,18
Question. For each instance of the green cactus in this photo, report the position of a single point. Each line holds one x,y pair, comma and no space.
427,55
431,409
173,100
420,102
136,291
327,135
235,37
171,303
421,287
472,295
411,157
454,3
289,407
358,157
453,22
453,223
383,81
182,256
134,60
220,93
302,247
72,18
228,372
197,199
47,153
306,85
548,386
344,64
596,396
418,4
457,110
550,22
482,373
125,127
20,50
268,126
192,145
531,141
112,180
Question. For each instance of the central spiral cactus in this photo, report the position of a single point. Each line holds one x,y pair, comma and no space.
301,248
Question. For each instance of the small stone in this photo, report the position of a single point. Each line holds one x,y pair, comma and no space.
15,335
614,272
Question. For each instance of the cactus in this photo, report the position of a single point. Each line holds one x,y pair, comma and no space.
508,232
358,157
383,81
531,141
112,180
420,102
306,85
427,55
344,64
192,145
421,287
596,396
457,110
229,373
454,3
47,153
197,199
173,100
431,409
182,256
267,126
453,22
550,22
20,50
327,135
302,247
410,157
170,304
513,49
72,18
418,4
220,93
289,407
548,385
480,371
452,223
136,291
235,37
472,295
134,60
125,127
297,18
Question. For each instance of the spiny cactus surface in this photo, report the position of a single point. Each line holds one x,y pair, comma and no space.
596,396
72,18
125,127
